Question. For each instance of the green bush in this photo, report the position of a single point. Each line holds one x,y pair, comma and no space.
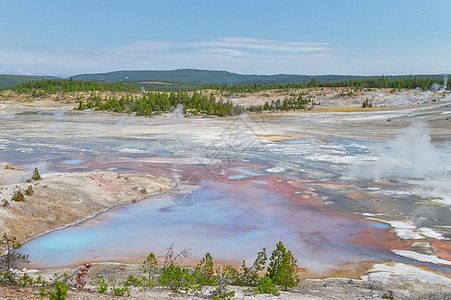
266,286
29,191
36,175
118,289
175,278
99,283
204,272
18,196
59,291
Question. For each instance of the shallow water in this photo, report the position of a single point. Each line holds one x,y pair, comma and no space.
227,218
232,208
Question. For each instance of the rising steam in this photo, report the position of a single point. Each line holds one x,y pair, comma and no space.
410,156
445,83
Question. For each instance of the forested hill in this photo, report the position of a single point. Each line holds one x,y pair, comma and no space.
187,79
9,81
206,77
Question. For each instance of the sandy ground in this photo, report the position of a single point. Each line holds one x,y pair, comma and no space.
344,97
62,199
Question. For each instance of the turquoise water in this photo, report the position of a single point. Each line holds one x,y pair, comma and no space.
73,162
165,154
229,221
246,172
236,177
296,142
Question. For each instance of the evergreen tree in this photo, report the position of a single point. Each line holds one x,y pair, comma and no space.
283,267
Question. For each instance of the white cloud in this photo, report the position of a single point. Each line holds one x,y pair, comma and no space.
228,52
234,46
270,45
236,54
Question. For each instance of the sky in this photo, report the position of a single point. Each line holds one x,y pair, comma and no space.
311,37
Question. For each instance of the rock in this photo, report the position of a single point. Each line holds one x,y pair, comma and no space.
143,191
351,281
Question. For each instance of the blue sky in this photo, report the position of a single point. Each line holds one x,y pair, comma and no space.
250,37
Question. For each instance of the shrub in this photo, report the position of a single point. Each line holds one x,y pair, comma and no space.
36,175
222,294
266,286
117,289
136,282
29,191
204,273
99,283
24,280
175,278
18,196
59,291
80,276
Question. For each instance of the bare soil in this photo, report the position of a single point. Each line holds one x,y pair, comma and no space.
62,199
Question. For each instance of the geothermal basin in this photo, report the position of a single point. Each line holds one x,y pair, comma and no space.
341,190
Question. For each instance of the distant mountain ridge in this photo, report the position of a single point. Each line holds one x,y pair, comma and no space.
206,77
9,81
197,78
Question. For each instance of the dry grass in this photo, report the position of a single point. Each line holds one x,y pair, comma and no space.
9,167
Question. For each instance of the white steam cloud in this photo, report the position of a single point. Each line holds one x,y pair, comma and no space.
59,115
178,111
445,83
410,156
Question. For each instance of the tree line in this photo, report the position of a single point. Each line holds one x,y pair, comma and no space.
381,82
290,103
70,85
195,103
152,103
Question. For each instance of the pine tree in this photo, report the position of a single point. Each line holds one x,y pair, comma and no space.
283,267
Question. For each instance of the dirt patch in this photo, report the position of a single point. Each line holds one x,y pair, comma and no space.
8,173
